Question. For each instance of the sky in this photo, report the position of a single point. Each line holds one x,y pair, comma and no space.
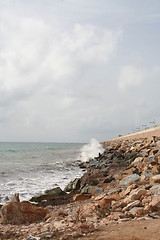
72,70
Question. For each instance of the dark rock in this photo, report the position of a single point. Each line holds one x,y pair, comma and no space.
54,197
55,191
73,185
108,179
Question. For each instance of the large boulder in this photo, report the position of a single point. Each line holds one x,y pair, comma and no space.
21,212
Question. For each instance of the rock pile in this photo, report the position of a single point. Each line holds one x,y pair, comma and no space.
120,185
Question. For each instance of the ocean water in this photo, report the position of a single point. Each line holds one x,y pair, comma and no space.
31,168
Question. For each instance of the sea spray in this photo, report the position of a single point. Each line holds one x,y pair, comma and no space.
90,150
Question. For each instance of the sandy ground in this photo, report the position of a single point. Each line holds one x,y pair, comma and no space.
132,230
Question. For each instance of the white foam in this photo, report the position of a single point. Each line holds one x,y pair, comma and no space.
90,150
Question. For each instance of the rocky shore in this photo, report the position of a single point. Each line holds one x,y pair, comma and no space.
121,188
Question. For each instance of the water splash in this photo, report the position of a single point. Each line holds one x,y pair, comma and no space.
90,150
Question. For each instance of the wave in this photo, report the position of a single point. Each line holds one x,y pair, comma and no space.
91,150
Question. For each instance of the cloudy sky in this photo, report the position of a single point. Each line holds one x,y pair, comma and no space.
71,70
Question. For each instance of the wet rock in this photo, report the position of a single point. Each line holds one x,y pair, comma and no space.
54,197
22,212
129,179
55,191
73,185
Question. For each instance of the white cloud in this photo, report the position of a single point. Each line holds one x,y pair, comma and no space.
130,76
46,72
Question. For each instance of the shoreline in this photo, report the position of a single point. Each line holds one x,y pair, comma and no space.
122,184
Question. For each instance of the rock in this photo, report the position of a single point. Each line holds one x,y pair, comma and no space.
81,197
134,211
108,179
131,205
155,203
15,198
73,185
106,201
155,179
146,175
22,212
93,190
129,189
129,179
146,200
136,194
114,190
155,189
138,160
55,191
149,159
53,196
156,169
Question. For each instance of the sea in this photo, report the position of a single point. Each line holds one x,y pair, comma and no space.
31,168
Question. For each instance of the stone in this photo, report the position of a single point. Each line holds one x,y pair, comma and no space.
113,190
129,179
107,200
156,169
155,203
155,179
55,191
146,175
94,190
129,189
149,159
136,194
135,210
108,179
131,205
138,160
146,200
15,198
22,212
81,197
155,189
73,185
52,195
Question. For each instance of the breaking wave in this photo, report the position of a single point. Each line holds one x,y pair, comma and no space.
90,150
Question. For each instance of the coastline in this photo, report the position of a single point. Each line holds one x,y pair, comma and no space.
122,184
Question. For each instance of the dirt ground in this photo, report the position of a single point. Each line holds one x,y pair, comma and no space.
132,230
